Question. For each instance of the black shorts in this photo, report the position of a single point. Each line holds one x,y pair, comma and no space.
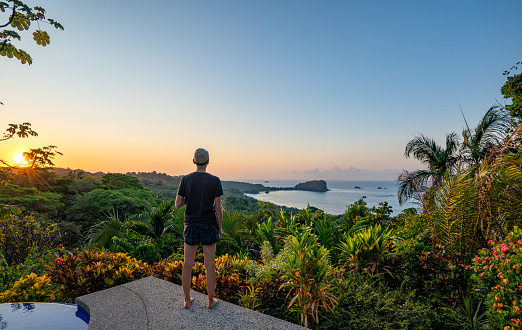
206,235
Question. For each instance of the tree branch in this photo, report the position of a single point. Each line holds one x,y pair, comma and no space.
10,18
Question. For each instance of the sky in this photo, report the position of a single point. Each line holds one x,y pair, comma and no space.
283,89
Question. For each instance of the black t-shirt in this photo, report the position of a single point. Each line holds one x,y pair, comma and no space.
200,189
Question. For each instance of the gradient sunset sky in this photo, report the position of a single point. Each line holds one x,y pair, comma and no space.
273,89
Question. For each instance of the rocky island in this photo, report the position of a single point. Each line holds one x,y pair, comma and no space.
316,185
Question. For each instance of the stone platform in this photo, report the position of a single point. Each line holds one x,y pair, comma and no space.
152,303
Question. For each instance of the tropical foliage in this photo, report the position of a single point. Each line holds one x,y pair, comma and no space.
69,234
306,277
20,17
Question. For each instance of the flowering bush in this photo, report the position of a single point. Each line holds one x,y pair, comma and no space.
30,288
497,279
168,270
92,271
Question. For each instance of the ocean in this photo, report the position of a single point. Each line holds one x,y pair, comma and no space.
336,199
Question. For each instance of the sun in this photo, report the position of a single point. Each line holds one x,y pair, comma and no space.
20,160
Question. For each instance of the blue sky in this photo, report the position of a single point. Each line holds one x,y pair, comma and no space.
273,89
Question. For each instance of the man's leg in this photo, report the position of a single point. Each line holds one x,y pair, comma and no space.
210,267
186,274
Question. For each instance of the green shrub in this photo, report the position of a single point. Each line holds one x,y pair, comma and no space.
366,250
363,305
431,271
34,263
19,234
306,270
267,277
269,263
133,245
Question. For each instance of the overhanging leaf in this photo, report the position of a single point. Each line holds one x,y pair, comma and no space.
41,37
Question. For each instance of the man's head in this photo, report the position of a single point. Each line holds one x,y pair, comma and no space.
201,157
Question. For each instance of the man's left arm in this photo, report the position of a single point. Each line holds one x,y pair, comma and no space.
219,214
180,201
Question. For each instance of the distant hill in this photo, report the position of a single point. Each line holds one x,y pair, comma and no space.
167,185
242,187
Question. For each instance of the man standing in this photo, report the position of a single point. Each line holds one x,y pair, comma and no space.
201,192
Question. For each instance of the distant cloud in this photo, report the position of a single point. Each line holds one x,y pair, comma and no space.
352,173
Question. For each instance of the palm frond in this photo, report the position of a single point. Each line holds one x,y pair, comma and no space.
411,183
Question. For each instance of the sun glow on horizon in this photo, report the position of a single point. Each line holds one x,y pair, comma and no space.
20,159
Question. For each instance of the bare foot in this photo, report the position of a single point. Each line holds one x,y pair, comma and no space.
187,304
213,303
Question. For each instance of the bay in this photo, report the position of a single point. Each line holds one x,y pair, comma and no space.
336,199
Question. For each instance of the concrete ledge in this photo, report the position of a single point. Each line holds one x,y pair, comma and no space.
152,303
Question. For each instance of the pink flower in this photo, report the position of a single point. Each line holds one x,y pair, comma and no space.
482,274
477,258
485,267
490,241
504,249
468,267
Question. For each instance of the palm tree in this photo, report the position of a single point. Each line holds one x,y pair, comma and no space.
102,233
490,133
476,205
155,223
440,161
